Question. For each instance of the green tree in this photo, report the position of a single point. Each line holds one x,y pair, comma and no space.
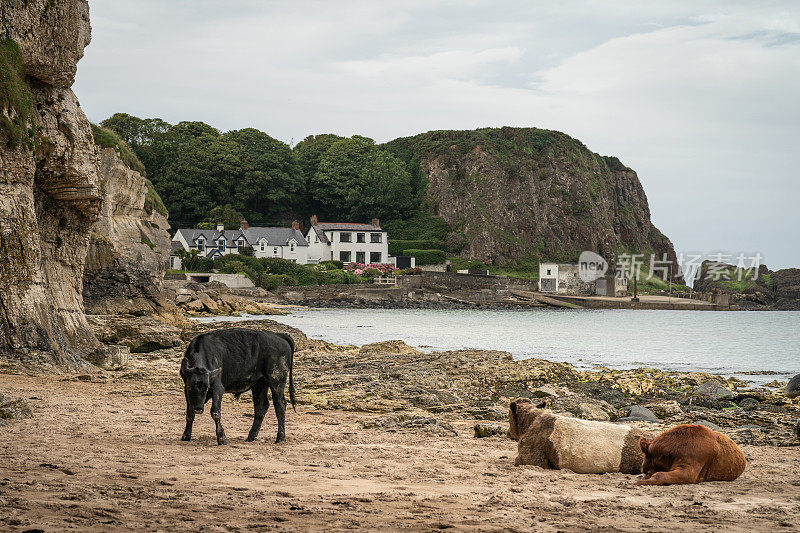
223,214
356,180
270,180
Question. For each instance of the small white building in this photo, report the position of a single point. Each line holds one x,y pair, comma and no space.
285,243
564,278
347,241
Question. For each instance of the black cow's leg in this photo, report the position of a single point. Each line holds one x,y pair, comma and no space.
216,414
187,432
279,402
260,407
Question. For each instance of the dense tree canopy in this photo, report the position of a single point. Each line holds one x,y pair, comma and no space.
198,169
356,180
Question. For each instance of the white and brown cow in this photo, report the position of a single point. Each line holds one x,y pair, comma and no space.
584,446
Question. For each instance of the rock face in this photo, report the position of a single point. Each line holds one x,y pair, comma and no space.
525,193
793,387
128,248
778,290
49,183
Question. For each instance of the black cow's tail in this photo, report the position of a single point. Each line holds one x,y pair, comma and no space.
290,340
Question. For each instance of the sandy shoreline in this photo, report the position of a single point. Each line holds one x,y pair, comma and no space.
102,452
101,457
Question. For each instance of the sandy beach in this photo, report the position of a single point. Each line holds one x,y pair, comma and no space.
100,457
102,452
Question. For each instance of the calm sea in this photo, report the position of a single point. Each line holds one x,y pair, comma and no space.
718,342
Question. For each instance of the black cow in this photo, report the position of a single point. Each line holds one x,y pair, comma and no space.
236,360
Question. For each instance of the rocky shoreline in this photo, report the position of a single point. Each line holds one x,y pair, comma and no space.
391,378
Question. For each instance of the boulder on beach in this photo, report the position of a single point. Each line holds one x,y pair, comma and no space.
793,387
710,425
664,408
714,391
489,430
14,409
583,407
638,413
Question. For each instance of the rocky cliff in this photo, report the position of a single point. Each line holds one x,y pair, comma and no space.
128,248
526,194
778,289
49,182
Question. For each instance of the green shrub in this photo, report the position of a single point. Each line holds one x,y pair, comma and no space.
340,277
427,257
16,96
271,281
371,273
397,246
332,265
106,138
276,265
202,264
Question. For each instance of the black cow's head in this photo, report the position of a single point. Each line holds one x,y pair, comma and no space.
197,381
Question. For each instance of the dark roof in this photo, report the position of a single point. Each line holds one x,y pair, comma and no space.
351,226
279,236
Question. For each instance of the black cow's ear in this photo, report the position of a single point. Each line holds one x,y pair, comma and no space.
542,404
214,373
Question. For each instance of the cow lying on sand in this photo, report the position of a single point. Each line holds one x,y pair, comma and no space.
237,360
583,446
690,453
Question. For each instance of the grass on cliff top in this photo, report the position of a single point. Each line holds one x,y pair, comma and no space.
498,141
15,96
108,139
153,201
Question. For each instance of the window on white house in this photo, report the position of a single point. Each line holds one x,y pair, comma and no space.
375,257
360,237
345,236
291,247
201,245
361,257
548,271
241,242
221,246
275,251
376,237
263,246
344,256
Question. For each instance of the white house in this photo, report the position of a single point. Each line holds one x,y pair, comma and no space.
347,241
286,243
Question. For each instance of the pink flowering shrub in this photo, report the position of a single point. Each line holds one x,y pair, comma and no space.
371,270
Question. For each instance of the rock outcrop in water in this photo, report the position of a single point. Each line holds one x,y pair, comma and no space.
128,250
50,186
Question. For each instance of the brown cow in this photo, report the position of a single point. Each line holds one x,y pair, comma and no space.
690,453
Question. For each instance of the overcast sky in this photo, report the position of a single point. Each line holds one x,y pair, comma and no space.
701,98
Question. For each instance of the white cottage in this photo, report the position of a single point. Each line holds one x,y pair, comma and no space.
347,241
286,243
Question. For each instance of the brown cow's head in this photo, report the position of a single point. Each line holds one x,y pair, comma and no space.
654,460
521,414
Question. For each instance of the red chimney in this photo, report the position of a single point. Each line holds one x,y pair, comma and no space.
376,222
295,225
243,224
313,220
